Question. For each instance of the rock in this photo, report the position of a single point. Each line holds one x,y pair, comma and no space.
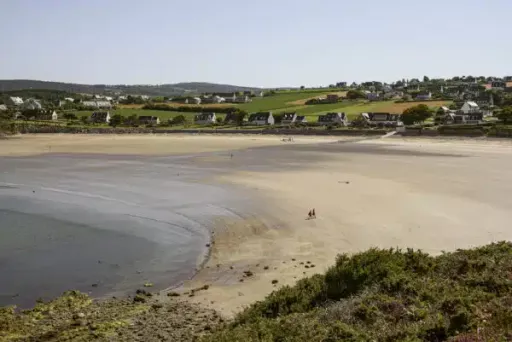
293,259
94,285
207,245
148,284
275,281
173,294
248,273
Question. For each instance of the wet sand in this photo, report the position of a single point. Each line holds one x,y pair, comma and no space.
423,193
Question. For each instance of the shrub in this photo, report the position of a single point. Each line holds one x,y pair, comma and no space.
389,295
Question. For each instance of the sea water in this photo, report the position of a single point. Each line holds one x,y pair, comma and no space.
103,225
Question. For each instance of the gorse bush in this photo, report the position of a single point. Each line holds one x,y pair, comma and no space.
390,295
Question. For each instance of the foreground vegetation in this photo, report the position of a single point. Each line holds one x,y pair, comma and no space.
377,295
390,295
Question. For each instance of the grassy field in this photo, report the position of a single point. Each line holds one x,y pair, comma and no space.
286,101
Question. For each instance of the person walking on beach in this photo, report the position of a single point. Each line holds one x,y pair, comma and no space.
313,213
309,215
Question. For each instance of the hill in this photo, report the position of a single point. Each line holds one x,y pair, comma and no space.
137,89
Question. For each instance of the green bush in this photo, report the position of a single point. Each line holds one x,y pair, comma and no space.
389,295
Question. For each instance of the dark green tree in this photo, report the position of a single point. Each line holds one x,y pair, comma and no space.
178,120
116,120
505,115
415,114
355,94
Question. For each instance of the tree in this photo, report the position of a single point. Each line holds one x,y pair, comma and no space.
355,94
178,120
69,116
505,115
302,87
84,119
116,120
416,114
426,79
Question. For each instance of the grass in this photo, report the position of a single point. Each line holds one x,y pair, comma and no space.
389,295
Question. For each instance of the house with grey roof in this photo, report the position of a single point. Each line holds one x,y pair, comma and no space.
383,119
205,119
99,104
333,119
100,117
261,118
31,104
470,107
288,118
148,120
300,119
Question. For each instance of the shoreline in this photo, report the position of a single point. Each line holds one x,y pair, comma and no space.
393,192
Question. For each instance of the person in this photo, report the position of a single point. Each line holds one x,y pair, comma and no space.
310,215
313,213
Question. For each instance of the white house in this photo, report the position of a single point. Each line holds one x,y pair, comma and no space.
261,118
15,101
32,104
3,107
205,119
149,120
289,118
333,118
470,107
100,117
55,117
97,104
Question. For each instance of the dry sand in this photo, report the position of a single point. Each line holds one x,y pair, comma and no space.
433,194
396,196
145,144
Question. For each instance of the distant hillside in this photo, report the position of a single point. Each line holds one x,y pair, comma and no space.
150,90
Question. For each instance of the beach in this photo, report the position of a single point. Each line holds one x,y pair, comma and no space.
431,194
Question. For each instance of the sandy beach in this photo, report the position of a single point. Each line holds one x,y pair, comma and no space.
432,194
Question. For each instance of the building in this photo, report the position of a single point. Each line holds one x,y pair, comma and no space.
332,119
3,107
382,119
205,119
288,118
424,97
55,117
99,104
193,100
470,107
100,117
261,118
460,117
31,104
300,119
15,101
373,96
148,120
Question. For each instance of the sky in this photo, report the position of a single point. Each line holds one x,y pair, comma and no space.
264,43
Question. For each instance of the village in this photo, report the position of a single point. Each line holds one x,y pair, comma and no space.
464,100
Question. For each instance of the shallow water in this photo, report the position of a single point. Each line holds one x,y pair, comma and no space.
102,224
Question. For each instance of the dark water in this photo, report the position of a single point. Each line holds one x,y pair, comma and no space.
115,222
